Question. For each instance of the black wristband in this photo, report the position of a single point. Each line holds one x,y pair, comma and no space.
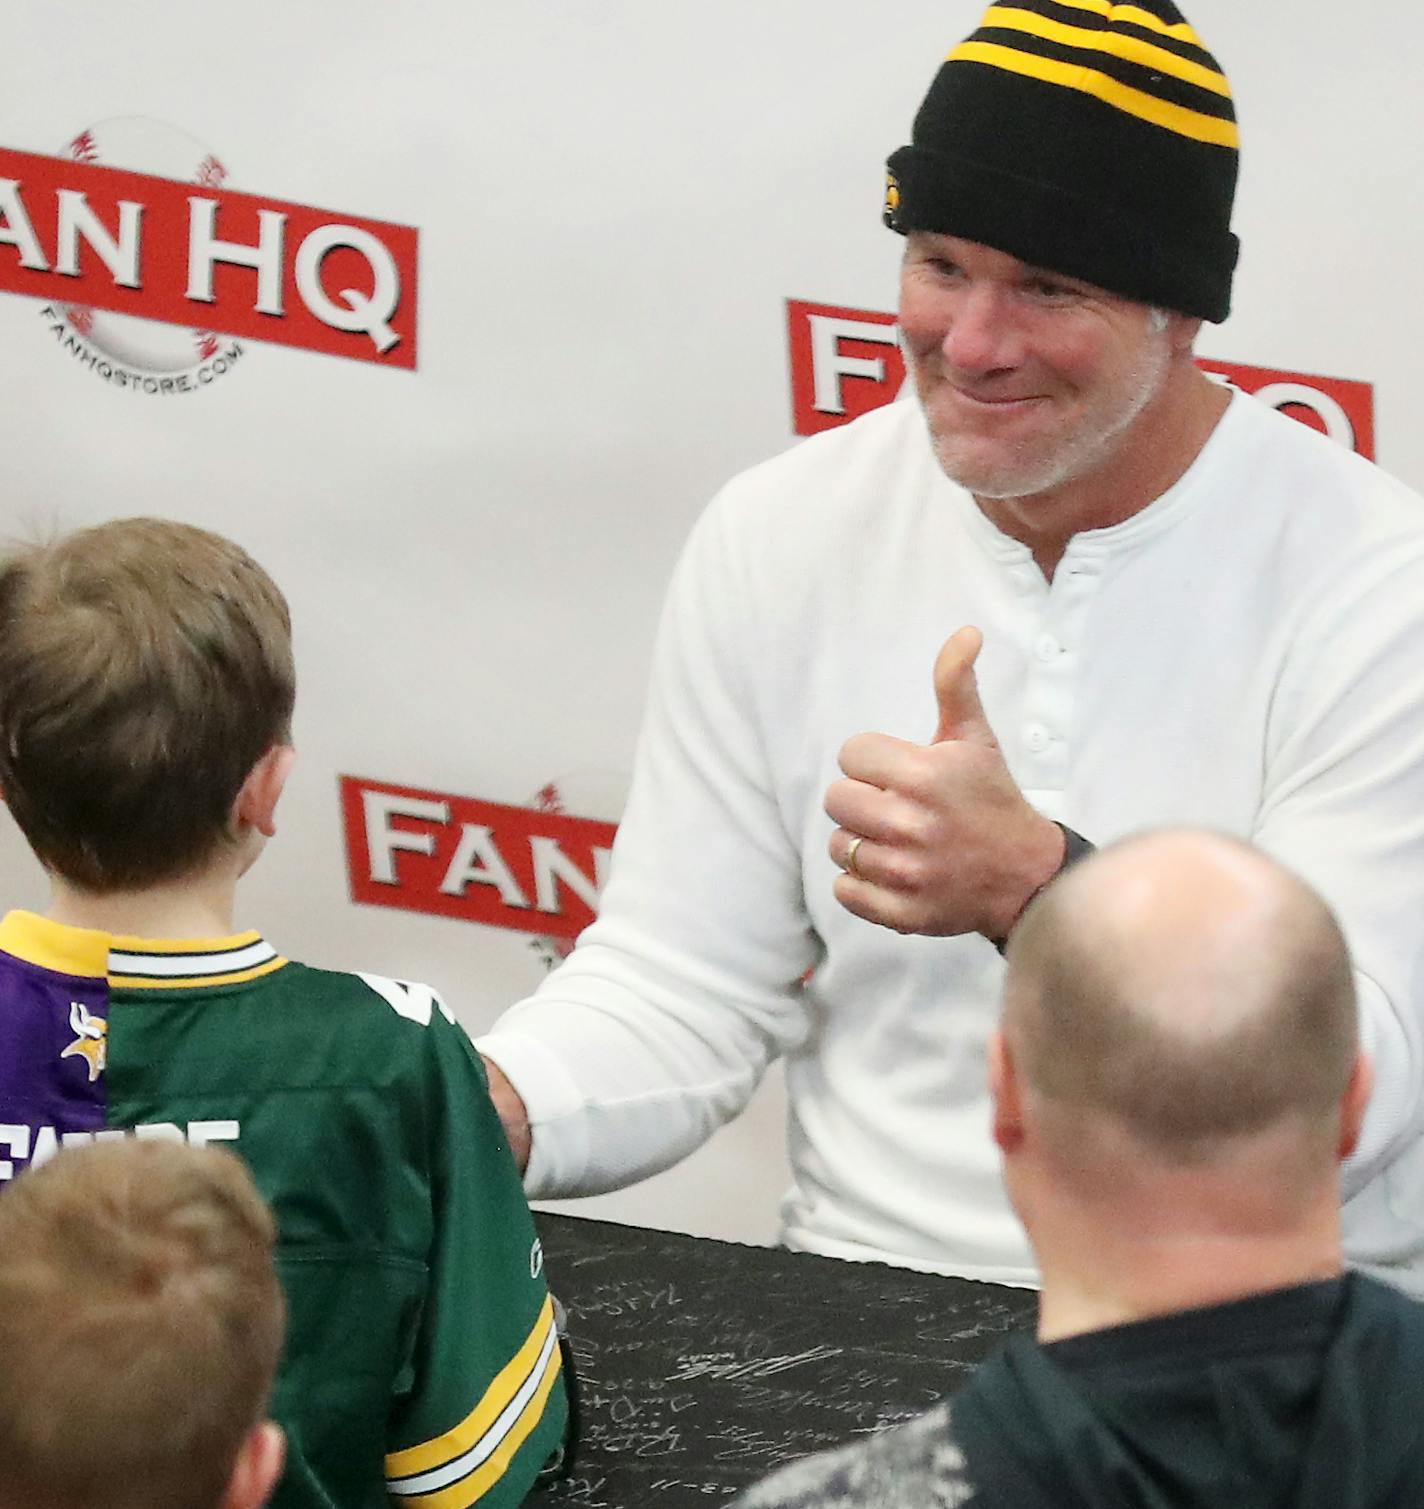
1075,847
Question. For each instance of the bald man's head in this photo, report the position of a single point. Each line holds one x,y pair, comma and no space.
1189,990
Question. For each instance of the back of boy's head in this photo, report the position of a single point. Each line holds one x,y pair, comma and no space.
145,668
141,1323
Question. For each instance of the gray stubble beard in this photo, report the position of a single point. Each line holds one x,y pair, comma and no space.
1080,449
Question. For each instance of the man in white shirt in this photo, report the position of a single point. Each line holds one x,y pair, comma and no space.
1191,611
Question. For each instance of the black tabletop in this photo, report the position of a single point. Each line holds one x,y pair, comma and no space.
703,1364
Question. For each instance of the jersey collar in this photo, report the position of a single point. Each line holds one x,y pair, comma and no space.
140,963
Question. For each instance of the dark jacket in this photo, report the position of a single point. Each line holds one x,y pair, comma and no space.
1307,1398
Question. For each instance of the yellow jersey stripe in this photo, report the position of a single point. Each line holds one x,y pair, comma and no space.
54,945
169,982
1129,49
413,1460
1174,118
1179,31
471,1489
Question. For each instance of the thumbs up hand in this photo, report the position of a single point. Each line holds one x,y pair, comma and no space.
961,714
937,838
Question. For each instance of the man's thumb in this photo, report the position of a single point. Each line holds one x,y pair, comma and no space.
961,714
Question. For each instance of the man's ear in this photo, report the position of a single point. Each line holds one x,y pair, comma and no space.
1183,330
256,804
259,1464
1354,1103
1005,1095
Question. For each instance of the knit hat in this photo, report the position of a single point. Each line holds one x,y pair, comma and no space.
1087,138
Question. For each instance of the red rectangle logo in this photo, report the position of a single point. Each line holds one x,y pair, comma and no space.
845,362
455,856
1336,406
208,257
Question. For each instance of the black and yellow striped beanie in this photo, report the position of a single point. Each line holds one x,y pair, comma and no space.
1091,139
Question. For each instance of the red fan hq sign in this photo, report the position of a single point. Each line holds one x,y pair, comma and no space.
75,231
528,869
845,362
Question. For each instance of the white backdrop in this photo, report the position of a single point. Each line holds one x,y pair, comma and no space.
614,203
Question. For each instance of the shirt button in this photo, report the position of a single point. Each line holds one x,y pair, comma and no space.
1047,648
1036,737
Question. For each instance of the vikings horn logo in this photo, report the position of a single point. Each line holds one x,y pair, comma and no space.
91,1039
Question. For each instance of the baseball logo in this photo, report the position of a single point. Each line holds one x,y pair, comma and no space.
145,146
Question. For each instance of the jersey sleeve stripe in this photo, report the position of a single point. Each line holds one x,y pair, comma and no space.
479,1471
517,1379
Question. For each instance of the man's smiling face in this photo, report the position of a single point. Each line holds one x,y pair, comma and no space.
1029,380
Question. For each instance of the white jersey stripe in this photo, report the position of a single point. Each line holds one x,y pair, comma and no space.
190,966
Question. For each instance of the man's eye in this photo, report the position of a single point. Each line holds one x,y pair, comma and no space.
1046,288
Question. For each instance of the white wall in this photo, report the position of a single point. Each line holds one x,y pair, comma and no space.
614,201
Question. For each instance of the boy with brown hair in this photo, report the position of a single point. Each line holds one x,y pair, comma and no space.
140,1323
146,692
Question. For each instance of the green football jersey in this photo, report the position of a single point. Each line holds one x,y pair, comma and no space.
421,1365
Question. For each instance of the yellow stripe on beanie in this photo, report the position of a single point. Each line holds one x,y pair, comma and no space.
1134,15
1117,44
1176,118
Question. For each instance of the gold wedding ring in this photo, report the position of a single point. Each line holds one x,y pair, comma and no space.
849,865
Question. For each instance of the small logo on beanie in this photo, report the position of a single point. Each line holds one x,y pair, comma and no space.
892,200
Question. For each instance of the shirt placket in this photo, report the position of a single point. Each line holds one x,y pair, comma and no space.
1051,682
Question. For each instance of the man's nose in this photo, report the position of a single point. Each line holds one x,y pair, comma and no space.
982,335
